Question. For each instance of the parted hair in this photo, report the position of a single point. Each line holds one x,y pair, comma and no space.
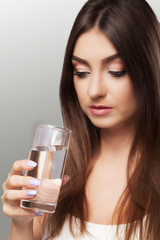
134,31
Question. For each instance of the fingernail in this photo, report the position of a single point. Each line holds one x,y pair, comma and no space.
31,193
57,181
35,182
67,177
31,164
39,213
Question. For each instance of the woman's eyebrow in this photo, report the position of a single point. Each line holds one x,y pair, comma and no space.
80,60
104,61
110,58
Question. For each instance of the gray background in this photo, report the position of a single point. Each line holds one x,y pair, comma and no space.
33,36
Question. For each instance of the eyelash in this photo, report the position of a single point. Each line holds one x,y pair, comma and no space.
81,74
115,74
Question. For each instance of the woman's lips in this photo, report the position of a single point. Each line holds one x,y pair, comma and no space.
100,109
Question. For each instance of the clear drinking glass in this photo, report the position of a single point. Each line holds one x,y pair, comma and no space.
49,151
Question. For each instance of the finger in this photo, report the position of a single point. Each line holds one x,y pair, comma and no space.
16,181
65,179
12,195
20,165
14,211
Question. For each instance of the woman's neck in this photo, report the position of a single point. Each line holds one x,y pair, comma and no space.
115,144
108,178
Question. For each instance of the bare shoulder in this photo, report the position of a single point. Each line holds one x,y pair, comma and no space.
38,224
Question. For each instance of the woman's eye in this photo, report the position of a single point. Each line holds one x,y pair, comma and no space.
81,74
117,73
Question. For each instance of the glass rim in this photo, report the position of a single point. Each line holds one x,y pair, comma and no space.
50,126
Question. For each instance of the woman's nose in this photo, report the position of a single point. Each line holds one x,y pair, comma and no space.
97,87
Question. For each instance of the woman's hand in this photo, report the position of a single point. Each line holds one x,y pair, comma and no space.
17,187
14,190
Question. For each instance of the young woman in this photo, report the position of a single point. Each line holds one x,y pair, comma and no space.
110,98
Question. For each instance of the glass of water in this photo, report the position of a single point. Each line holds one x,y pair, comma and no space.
49,149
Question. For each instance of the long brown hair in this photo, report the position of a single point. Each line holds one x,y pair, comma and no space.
133,29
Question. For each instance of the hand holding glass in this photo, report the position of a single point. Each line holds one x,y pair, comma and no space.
49,150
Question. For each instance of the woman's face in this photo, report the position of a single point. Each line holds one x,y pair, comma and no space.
103,87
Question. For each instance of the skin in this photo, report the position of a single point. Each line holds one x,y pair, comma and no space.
97,87
95,84
24,222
